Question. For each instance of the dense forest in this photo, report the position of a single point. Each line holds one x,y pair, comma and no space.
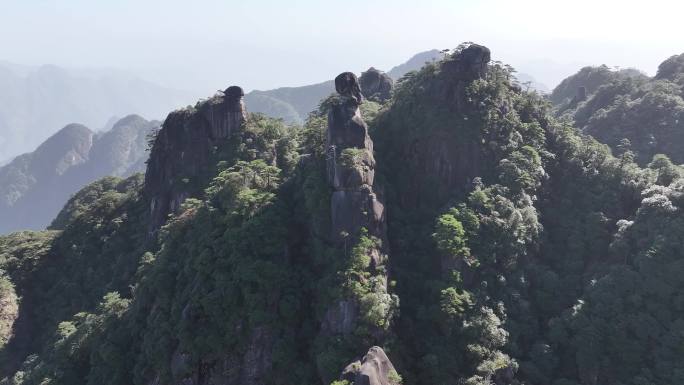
460,229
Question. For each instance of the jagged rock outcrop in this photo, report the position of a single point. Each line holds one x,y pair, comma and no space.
376,85
357,211
470,63
374,369
180,159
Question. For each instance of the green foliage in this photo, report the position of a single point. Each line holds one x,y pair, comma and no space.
666,171
394,377
351,157
450,236
366,287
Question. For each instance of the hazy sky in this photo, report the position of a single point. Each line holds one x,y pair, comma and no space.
203,45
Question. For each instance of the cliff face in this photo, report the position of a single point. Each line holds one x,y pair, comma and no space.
180,160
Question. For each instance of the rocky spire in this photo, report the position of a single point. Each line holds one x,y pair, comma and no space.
228,115
351,165
357,212
180,159
373,369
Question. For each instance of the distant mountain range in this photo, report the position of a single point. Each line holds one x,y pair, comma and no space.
35,186
293,104
34,101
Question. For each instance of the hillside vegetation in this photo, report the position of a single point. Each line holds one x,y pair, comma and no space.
628,110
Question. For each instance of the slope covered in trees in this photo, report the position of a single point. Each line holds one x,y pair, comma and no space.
501,246
628,110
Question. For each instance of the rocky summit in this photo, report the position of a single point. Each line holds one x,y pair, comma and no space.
181,157
376,85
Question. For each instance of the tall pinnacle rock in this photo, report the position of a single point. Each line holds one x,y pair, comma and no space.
180,159
351,165
358,222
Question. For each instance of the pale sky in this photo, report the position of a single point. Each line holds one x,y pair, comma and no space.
203,45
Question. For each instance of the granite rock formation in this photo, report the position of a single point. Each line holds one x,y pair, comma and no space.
351,165
357,210
347,85
374,369
181,154
470,63
376,85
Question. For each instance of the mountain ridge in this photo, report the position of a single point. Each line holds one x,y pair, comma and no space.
36,185
34,100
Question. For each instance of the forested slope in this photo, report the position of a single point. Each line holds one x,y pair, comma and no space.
628,110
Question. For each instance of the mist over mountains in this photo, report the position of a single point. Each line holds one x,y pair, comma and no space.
36,101
34,186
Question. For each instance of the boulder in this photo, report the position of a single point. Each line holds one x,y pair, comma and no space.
376,85
347,85
374,369
470,63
